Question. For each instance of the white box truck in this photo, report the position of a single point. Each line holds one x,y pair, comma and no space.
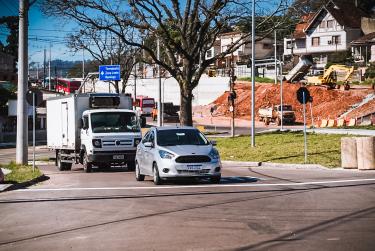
94,129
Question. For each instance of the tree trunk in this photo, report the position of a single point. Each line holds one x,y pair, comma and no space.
186,114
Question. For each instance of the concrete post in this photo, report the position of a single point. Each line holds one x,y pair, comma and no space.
22,139
366,153
349,153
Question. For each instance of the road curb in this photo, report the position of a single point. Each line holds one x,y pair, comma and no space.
26,184
271,164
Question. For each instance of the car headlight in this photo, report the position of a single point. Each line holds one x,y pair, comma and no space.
214,154
97,143
136,141
165,155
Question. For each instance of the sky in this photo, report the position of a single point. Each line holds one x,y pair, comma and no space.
48,31
43,32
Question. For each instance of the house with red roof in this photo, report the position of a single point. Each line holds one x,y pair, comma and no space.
331,29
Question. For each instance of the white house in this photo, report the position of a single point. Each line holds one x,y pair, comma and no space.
329,30
263,48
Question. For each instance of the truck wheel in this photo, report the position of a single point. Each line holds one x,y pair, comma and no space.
87,166
131,165
59,164
62,166
138,175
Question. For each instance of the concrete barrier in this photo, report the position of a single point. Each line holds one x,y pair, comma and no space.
366,153
340,122
331,123
351,122
349,153
324,123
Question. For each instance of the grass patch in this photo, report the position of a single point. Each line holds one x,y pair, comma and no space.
21,173
258,79
287,147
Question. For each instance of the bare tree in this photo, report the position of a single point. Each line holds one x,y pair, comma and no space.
106,48
186,30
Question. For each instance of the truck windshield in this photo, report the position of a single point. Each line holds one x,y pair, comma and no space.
286,108
103,122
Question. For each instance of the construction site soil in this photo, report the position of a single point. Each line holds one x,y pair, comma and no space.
327,104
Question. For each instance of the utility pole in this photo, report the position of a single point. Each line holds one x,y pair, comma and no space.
44,68
232,95
49,68
135,81
83,63
22,116
253,74
275,59
159,118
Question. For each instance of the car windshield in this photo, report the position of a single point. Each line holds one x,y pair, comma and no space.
180,137
114,122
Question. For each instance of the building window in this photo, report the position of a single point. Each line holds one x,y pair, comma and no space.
336,40
209,54
315,41
323,24
330,24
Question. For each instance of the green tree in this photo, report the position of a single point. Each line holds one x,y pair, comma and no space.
186,31
11,24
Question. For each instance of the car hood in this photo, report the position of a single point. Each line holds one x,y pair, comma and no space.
188,149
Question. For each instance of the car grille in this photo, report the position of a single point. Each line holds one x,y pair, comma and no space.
204,171
193,159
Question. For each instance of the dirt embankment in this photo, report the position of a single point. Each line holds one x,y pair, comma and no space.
327,104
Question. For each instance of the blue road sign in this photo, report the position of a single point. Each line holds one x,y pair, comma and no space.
109,72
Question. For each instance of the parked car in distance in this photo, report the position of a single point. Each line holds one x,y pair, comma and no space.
177,152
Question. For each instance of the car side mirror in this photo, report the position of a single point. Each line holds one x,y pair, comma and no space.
148,144
213,142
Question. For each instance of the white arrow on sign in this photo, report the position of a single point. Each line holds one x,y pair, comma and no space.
102,73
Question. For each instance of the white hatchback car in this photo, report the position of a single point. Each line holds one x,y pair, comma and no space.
177,152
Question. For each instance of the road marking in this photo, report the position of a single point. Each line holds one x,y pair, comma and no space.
194,186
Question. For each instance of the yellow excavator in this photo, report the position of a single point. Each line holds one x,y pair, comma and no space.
329,78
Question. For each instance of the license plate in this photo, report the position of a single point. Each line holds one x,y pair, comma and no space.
194,167
118,156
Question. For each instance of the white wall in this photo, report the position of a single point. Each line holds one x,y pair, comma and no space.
208,89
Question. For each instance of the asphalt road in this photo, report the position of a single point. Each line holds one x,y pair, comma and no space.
251,209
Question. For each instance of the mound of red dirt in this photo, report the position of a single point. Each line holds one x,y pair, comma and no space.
327,104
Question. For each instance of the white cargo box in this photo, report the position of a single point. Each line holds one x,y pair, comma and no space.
64,114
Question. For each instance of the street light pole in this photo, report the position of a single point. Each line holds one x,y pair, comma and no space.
253,74
159,118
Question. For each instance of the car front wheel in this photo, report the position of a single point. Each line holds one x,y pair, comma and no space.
215,179
157,180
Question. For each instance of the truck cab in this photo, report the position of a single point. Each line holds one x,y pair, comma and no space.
109,137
